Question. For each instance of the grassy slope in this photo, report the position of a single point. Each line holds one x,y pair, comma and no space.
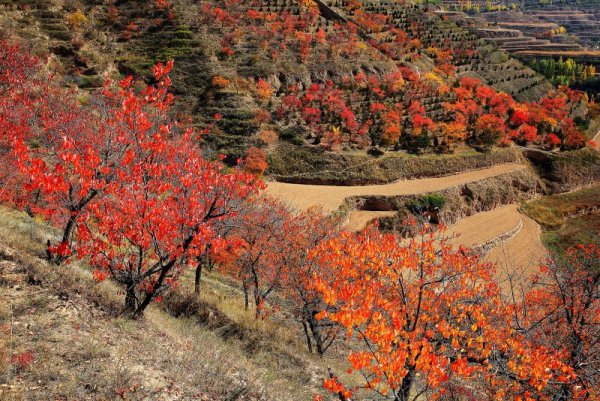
567,219
291,163
83,349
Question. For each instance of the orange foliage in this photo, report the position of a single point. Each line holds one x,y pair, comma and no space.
220,82
421,308
268,136
255,161
264,90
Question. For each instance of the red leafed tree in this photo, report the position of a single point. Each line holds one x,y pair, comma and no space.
261,238
425,315
488,130
158,213
308,229
22,85
561,310
66,151
160,217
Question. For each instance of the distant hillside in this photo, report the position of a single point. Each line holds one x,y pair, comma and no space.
338,74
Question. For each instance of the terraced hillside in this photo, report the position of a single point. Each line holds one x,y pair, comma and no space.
531,29
248,60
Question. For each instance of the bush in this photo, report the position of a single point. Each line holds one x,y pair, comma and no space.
293,134
426,202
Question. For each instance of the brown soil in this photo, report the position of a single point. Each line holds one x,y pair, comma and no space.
596,140
521,255
483,227
330,197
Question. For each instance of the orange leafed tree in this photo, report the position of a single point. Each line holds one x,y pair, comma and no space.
426,315
255,161
264,90
308,229
261,237
561,310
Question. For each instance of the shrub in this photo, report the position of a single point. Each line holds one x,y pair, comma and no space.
220,82
426,202
293,134
77,20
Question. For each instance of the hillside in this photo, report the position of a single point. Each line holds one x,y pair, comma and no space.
385,67
72,341
273,200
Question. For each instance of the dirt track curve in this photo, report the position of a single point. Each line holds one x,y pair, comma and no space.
330,197
483,227
521,253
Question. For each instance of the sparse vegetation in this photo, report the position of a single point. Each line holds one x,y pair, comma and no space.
568,219
426,203
143,257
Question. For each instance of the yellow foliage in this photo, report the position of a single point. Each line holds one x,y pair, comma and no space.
77,20
433,78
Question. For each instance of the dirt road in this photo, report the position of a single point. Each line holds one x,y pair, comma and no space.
486,226
330,197
522,254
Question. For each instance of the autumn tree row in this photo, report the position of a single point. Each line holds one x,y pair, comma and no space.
127,185
391,111
130,190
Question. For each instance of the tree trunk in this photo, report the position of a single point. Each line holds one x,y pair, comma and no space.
198,277
403,393
316,332
48,253
68,231
308,342
75,210
130,298
257,303
246,300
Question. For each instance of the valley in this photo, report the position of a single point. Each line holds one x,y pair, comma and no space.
275,200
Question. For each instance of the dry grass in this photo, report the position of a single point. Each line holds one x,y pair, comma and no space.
552,211
83,349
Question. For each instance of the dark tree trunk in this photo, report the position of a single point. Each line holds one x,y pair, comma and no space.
75,210
246,300
198,277
130,298
257,303
48,253
316,332
68,231
406,385
308,341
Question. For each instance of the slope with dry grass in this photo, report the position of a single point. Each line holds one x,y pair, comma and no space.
63,338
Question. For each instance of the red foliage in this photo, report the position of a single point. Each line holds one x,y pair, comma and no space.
255,161
22,360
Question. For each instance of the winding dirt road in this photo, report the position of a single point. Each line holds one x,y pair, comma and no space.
483,227
330,197
520,253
